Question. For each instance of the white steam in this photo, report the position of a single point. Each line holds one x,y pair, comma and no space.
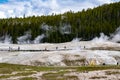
63,17
45,27
116,36
65,29
102,38
25,39
7,39
76,40
38,39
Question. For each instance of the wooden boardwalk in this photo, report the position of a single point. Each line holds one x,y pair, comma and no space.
13,50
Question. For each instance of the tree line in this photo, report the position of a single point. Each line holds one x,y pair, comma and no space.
85,24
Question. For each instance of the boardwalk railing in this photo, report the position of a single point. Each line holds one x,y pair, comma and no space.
12,50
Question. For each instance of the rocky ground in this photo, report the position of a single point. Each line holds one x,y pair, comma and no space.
84,60
63,54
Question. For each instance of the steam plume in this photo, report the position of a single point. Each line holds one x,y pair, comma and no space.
38,39
116,35
102,38
25,39
7,39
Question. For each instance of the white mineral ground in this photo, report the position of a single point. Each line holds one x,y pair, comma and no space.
69,53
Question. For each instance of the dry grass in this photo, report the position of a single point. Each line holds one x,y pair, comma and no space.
106,48
78,62
7,70
112,72
28,78
58,76
98,77
37,63
18,74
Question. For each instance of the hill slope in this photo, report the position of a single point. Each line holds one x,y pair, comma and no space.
63,27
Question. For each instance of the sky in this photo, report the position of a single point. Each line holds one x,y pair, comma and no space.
18,8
